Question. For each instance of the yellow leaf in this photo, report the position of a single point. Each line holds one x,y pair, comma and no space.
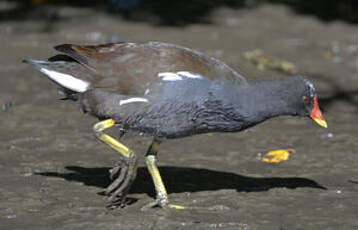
276,156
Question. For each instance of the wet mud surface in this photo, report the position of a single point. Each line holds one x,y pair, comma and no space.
53,170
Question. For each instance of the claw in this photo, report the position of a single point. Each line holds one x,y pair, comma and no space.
166,205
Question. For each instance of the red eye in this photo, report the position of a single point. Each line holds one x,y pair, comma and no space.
305,99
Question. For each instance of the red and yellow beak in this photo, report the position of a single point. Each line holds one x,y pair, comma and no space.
316,114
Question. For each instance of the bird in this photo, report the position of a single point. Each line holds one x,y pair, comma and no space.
167,91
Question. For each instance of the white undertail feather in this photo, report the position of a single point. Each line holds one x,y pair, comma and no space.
67,80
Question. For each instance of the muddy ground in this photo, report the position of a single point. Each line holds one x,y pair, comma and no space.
53,169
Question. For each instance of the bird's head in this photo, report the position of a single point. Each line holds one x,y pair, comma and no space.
309,105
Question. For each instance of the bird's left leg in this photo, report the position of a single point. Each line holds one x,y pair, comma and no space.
161,193
124,173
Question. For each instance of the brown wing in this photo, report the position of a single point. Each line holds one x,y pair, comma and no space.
129,68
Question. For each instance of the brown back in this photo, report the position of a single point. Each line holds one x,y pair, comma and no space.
129,68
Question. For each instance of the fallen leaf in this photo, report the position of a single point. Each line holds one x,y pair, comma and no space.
276,156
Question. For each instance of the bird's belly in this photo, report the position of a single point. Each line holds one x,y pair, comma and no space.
169,125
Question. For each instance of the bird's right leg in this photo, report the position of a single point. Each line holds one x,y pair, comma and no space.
125,172
161,192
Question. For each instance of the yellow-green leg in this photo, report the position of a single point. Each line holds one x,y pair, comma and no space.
161,192
125,172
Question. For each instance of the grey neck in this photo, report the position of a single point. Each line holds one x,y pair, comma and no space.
247,105
267,98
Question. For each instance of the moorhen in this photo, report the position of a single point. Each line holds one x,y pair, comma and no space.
167,91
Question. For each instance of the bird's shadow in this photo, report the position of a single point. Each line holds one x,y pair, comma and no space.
184,179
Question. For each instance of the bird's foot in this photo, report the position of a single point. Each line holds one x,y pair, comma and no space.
123,175
163,203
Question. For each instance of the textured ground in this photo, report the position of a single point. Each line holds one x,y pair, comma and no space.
53,169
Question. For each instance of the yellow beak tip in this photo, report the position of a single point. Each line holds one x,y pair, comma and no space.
322,123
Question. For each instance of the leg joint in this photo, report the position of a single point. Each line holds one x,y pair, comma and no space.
151,160
103,125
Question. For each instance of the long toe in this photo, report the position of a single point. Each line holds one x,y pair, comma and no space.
119,189
122,191
164,205
118,181
114,172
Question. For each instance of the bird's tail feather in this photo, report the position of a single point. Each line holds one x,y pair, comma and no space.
64,74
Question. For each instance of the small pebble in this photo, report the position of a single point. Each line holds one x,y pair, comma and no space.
7,106
335,47
11,216
327,136
27,174
338,191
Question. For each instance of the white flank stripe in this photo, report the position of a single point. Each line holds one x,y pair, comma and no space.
67,80
133,99
167,76
189,75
